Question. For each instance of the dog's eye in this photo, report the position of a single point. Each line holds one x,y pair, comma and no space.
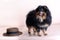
43,14
37,13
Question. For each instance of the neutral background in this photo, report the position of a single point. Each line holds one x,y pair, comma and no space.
13,12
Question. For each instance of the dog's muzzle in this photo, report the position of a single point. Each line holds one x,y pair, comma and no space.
41,16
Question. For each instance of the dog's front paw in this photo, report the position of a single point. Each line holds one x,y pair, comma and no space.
39,35
45,34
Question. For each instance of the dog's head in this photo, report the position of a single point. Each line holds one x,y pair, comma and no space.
41,12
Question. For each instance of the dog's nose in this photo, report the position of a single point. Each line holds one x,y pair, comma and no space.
41,13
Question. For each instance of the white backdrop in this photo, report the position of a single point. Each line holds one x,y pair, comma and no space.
13,12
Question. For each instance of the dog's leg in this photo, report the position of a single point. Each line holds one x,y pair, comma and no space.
34,30
29,31
38,32
44,32
45,29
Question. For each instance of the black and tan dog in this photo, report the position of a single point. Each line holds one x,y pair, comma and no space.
38,19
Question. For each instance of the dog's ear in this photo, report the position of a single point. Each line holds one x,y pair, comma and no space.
37,9
45,7
39,6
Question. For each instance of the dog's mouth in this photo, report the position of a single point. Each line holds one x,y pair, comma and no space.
41,16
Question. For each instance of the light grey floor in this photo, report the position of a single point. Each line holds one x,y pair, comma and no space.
53,34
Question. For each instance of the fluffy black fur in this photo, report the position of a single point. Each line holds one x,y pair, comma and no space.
31,20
